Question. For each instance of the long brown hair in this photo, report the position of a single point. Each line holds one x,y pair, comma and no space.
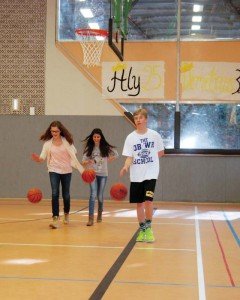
63,132
104,146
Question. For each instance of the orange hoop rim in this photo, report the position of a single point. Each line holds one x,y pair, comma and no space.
92,32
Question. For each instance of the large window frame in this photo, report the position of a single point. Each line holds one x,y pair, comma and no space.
180,128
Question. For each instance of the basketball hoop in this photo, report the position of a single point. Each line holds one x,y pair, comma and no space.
92,41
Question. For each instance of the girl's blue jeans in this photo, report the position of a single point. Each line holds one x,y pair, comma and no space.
96,191
65,180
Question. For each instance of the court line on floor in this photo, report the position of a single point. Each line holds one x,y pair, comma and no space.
95,246
47,279
156,283
201,281
112,272
16,219
173,284
115,282
38,219
236,237
223,286
84,221
165,249
154,223
223,255
110,275
61,246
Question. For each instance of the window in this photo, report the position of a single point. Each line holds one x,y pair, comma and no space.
203,126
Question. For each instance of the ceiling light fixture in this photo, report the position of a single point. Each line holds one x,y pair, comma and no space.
196,27
197,19
86,12
197,8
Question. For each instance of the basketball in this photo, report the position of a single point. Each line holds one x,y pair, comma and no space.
118,191
34,195
88,175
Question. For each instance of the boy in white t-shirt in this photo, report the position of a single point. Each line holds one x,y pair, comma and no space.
143,147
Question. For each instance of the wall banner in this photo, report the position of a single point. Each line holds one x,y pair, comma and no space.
211,81
133,79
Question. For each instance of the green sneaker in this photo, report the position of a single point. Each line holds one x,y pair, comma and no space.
141,236
149,235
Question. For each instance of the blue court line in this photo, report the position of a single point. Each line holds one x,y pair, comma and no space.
232,229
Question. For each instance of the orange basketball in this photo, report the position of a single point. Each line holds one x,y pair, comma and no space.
118,191
34,195
88,175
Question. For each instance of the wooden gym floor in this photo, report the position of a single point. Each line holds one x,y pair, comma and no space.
196,254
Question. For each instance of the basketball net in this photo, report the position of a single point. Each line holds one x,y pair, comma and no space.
92,41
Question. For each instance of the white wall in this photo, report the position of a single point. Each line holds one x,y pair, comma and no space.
67,91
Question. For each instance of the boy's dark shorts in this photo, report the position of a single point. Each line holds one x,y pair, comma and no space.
142,191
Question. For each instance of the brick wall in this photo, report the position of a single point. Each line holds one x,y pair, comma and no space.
22,55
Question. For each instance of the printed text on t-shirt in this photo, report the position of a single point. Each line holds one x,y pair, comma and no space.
143,151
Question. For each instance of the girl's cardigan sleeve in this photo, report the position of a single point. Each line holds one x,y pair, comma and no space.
45,150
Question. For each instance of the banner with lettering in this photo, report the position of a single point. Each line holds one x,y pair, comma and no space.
211,81
133,79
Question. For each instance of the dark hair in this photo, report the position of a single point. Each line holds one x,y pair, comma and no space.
104,146
63,132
